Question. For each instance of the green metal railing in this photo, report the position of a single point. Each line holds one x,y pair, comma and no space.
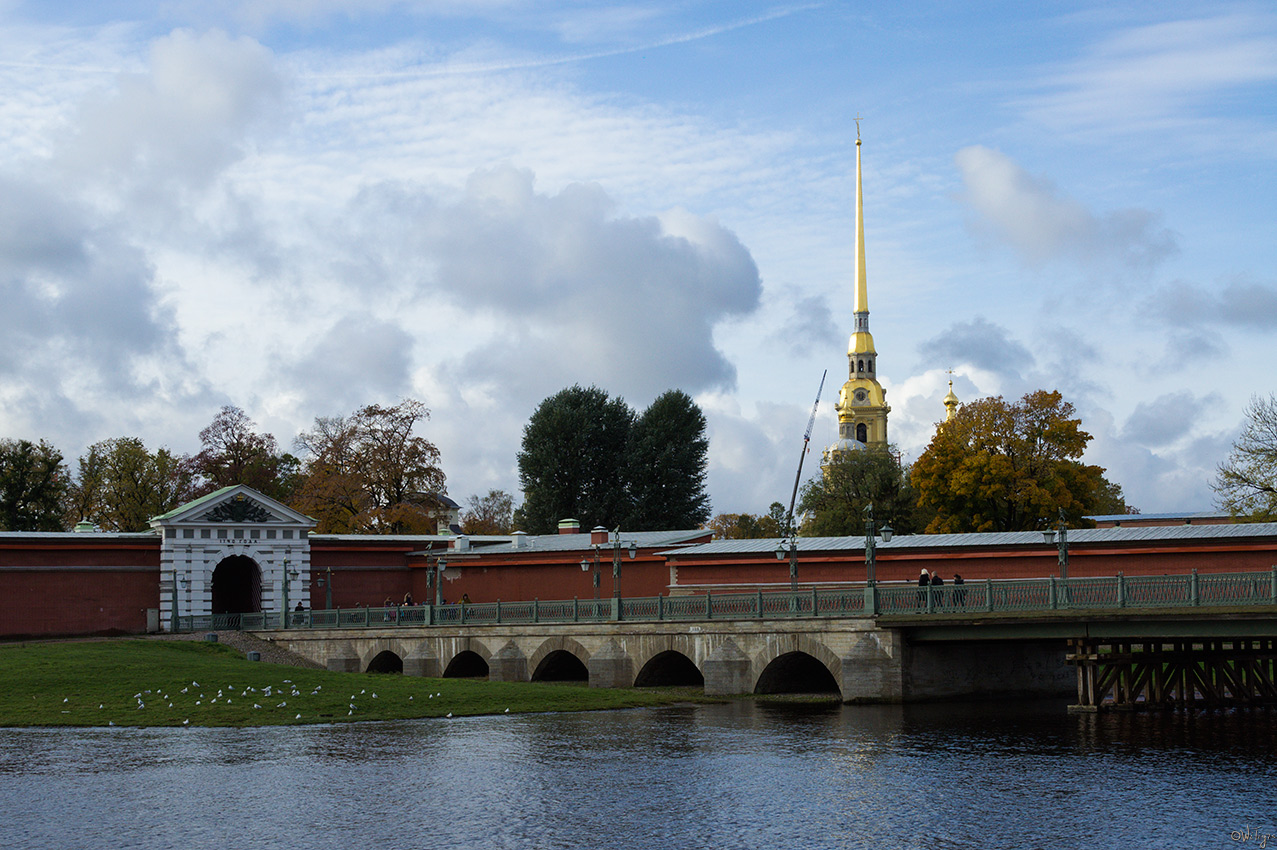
1017,596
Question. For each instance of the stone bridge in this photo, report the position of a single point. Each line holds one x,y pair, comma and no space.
852,657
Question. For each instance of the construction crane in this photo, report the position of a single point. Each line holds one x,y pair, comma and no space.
789,518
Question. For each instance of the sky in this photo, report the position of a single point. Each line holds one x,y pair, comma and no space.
300,207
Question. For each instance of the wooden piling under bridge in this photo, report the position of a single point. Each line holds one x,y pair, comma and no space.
1157,673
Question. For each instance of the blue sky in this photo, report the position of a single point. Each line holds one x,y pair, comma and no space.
302,207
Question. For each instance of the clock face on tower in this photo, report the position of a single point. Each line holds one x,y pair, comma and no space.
861,395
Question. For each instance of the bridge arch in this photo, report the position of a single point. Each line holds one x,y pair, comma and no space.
466,664
669,668
797,665
386,661
560,660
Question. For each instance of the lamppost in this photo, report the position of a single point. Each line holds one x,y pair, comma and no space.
789,546
288,575
326,582
435,577
173,619
1048,534
871,544
616,545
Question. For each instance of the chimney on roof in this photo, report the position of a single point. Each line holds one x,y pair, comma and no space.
520,540
569,526
598,534
461,543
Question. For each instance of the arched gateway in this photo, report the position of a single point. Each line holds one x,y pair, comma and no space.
232,551
236,586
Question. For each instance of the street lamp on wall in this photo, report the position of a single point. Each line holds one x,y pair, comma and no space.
1048,534
789,546
326,582
585,568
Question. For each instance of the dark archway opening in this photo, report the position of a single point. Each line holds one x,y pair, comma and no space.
561,666
669,669
862,433
796,673
466,665
237,586
385,662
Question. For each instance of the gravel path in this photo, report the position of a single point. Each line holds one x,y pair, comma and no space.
244,642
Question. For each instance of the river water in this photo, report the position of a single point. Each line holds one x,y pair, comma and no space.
741,775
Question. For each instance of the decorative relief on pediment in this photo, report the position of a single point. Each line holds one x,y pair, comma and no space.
239,509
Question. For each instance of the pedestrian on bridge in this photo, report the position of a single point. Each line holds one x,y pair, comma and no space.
924,579
959,592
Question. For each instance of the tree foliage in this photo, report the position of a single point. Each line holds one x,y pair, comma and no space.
998,466
590,457
120,485
572,463
668,457
835,501
1246,483
749,526
490,514
369,472
233,452
33,483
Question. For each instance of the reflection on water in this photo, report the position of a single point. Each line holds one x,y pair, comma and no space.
735,775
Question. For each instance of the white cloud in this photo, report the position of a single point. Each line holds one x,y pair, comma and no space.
1035,219
183,120
1159,77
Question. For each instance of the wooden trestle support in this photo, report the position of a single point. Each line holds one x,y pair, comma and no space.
1133,674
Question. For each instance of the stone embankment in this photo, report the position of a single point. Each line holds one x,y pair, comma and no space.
245,643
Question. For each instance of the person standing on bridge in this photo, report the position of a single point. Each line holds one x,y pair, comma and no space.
959,592
937,582
924,579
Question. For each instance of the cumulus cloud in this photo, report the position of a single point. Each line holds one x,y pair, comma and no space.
981,344
183,120
1240,303
357,360
808,328
1031,216
72,288
1166,419
568,289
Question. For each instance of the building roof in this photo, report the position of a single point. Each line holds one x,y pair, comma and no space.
990,540
1139,517
581,542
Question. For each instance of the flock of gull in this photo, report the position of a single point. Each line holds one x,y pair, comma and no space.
226,696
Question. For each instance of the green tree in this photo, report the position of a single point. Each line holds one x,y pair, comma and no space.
120,485
572,463
1246,483
33,484
998,466
370,473
233,452
490,514
749,526
668,455
835,501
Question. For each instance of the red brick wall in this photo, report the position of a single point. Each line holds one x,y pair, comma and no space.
490,579
974,566
75,601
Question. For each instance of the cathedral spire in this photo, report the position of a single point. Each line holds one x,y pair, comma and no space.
861,305
862,403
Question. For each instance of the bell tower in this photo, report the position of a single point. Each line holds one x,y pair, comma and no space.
862,404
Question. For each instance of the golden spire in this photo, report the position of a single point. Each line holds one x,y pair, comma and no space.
862,287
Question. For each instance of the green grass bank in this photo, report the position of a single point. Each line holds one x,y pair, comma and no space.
177,683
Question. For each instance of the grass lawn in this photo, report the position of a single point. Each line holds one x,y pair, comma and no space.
176,683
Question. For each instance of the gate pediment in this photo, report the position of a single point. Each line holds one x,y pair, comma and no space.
238,505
